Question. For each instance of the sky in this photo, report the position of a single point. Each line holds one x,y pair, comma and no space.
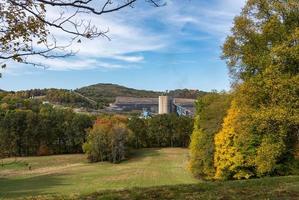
172,47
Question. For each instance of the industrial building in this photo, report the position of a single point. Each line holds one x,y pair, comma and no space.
160,105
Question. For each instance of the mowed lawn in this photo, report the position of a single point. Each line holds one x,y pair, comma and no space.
72,175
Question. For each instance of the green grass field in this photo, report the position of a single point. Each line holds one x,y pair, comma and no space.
72,174
149,174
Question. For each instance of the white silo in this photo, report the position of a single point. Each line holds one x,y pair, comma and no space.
165,104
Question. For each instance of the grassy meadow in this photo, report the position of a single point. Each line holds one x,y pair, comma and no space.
149,174
73,175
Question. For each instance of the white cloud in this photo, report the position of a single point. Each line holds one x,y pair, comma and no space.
128,40
130,58
76,64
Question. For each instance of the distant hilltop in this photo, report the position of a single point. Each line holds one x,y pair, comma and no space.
108,92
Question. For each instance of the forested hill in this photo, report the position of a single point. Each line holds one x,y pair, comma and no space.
106,93
55,96
186,93
93,96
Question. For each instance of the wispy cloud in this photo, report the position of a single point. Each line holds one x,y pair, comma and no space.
212,17
135,31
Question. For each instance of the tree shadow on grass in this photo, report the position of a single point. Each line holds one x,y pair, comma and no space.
29,186
277,188
141,154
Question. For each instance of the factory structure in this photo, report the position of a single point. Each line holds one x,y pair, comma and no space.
153,106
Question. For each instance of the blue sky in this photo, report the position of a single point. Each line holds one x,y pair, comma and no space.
176,46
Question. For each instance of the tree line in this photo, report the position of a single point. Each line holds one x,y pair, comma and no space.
112,136
168,130
37,129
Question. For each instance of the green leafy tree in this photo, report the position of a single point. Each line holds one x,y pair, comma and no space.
79,125
183,127
167,130
138,135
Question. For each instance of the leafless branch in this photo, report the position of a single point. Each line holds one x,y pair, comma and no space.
24,26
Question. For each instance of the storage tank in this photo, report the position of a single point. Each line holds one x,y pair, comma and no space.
165,104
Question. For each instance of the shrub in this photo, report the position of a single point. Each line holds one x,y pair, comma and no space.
43,150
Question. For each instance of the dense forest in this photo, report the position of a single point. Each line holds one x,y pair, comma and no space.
30,127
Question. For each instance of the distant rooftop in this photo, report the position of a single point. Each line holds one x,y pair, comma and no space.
134,100
184,101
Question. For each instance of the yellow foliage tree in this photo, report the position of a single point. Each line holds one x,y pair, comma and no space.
229,160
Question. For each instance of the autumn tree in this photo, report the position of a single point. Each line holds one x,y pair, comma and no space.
210,111
260,133
107,140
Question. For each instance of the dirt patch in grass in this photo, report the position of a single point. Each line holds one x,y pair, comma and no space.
38,171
